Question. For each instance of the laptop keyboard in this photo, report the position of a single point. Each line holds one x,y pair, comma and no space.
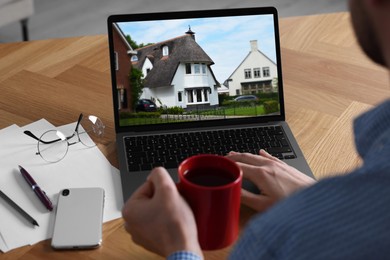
168,150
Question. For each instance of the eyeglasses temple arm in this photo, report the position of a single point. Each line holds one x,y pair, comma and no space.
78,122
27,132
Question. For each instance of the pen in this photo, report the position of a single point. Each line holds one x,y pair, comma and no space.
19,209
34,186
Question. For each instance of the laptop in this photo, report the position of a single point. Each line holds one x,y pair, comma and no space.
193,82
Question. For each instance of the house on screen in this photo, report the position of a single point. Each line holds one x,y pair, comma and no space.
177,72
123,53
256,74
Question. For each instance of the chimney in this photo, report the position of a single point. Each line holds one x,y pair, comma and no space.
189,32
254,45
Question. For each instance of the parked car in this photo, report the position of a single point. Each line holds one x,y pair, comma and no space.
246,98
145,105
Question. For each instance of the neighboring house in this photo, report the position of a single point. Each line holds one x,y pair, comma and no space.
122,52
223,90
177,72
255,74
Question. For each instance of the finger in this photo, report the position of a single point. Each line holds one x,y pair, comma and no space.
253,173
161,181
265,154
247,158
257,202
159,175
146,190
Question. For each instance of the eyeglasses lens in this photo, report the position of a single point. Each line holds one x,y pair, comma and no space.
90,131
53,146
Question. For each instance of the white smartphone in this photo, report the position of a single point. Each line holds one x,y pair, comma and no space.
79,219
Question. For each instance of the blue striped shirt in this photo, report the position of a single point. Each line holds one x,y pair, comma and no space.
183,255
344,217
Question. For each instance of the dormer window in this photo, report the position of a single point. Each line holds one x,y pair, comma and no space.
134,58
165,50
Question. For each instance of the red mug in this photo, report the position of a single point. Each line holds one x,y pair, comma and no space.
211,185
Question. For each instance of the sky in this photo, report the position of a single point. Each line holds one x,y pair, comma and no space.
225,39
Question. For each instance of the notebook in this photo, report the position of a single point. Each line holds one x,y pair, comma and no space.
192,82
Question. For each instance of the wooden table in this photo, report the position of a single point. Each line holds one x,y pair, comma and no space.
328,81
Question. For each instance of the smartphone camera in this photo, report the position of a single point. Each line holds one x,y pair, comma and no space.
65,192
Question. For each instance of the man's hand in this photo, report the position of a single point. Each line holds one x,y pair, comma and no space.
159,219
273,177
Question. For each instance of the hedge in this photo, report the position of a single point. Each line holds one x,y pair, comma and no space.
271,106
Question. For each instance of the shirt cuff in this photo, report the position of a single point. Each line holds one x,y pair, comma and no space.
183,255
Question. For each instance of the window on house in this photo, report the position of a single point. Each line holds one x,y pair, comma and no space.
188,68
180,96
248,73
134,58
203,68
206,95
147,71
237,92
116,60
190,97
197,68
256,72
266,72
198,95
120,98
165,50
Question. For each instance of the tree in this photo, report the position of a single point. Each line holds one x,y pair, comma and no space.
134,44
136,82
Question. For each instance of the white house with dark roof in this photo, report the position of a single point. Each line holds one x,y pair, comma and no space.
255,74
177,72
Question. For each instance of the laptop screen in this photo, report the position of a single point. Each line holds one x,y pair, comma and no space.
196,67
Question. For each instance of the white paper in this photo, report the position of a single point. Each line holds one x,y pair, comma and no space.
81,167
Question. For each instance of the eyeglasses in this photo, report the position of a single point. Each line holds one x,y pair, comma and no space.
53,145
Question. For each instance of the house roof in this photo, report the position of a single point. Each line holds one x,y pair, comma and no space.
182,49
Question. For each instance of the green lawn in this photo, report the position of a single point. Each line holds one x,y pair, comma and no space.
147,121
233,111
245,111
